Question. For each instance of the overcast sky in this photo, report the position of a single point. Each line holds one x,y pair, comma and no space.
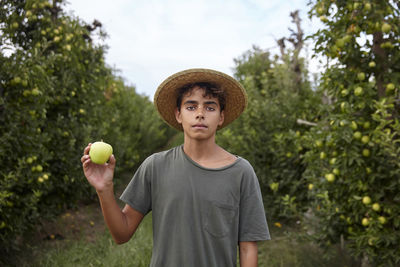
152,39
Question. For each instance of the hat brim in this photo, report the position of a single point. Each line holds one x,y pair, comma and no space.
166,94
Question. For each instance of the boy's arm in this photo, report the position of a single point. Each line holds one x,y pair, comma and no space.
248,254
122,224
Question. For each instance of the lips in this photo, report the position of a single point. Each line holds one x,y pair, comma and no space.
200,126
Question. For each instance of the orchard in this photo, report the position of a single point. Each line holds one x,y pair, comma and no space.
326,151
57,95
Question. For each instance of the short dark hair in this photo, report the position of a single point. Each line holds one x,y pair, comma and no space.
210,89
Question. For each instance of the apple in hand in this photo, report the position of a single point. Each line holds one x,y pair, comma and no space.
100,152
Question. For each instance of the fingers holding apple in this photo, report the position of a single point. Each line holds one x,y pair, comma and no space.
98,172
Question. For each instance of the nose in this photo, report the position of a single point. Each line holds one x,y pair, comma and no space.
200,113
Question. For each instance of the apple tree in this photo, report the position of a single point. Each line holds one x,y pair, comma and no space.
267,133
353,158
56,95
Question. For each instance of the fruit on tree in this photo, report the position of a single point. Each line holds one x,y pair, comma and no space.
390,86
366,125
366,200
376,207
358,91
336,171
330,177
100,152
357,135
365,222
361,76
366,152
365,139
386,27
382,219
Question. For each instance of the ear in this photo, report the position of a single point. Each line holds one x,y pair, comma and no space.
178,115
221,118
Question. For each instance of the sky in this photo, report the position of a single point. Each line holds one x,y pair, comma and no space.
150,40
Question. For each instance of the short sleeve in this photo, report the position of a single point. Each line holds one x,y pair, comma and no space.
138,192
252,220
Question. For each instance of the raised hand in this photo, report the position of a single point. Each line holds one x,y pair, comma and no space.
99,176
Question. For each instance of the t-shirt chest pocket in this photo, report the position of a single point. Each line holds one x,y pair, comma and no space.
220,219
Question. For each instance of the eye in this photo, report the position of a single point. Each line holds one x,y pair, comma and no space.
191,108
210,109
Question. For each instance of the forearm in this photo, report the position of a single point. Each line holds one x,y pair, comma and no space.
114,217
248,253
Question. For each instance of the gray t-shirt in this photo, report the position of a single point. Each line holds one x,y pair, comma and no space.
199,214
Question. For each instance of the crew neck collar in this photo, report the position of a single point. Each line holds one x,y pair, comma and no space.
205,168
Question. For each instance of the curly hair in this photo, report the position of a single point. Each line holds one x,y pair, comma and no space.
210,89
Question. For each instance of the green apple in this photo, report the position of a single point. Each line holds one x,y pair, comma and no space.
336,171
310,186
365,221
35,92
357,135
367,7
366,200
376,207
361,76
332,161
372,64
323,18
344,92
358,91
382,219
319,143
386,27
366,125
366,153
320,10
343,123
322,155
100,152
365,139
354,125
340,43
330,177
390,86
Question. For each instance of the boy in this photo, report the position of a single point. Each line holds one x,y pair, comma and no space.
204,201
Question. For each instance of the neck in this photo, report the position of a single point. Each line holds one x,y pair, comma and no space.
200,149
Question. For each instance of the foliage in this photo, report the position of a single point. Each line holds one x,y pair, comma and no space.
354,150
56,95
267,133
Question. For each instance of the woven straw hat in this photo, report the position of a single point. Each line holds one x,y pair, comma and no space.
166,94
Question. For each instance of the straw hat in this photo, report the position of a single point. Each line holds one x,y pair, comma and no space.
166,94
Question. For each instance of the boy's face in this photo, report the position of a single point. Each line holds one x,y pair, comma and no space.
199,115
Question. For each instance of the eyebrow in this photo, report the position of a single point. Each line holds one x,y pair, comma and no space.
196,102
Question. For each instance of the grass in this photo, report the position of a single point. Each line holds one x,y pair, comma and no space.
102,252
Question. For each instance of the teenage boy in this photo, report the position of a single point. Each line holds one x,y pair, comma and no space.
205,202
